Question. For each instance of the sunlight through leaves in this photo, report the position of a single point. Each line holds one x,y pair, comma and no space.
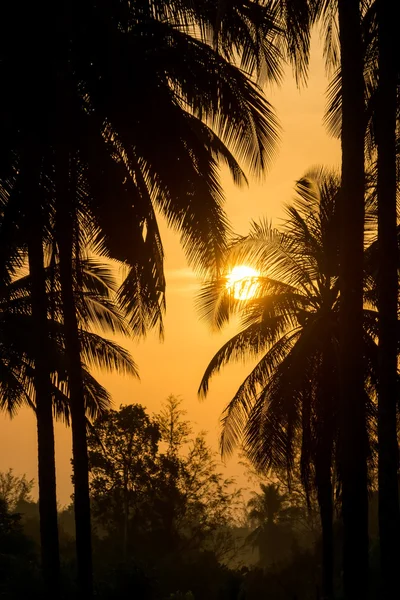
242,282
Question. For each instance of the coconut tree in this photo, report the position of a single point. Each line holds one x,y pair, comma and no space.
289,400
34,214
345,17
18,343
352,398
272,515
98,118
387,107
22,226
96,307
381,69
87,112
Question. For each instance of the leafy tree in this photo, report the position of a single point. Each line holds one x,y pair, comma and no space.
158,506
208,506
211,505
18,566
14,489
123,446
16,557
174,430
9,524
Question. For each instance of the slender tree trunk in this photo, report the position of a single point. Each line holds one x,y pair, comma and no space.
323,466
325,502
269,550
389,513
44,412
65,225
126,521
353,438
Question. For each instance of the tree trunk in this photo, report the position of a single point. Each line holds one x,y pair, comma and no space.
44,412
325,502
126,521
353,437
389,514
65,226
323,464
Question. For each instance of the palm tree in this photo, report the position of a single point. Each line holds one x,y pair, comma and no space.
353,123
380,74
288,403
272,515
95,307
184,55
20,347
389,507
23,223
353,442
100,129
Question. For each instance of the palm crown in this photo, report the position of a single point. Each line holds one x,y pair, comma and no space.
96,307
287,402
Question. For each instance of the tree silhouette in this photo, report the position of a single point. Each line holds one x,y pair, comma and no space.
346,18
14,489
159,506
122,457
95,305
270,511
97,139
386,125
381,68
352,403
290,399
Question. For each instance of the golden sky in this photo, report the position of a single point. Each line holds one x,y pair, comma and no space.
176,365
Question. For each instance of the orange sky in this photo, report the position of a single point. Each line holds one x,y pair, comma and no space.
176,366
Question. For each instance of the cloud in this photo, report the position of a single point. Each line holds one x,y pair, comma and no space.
183,274
182,281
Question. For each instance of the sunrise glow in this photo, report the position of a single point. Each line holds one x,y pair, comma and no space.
242,281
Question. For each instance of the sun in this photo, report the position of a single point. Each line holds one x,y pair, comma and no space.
242,281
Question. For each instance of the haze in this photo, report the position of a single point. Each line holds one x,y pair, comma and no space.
176,366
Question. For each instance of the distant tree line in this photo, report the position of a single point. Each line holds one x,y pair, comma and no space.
166,524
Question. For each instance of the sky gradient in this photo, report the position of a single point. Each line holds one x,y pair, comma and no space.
176,365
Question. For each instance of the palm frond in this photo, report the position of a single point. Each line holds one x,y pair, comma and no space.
237,412
247,343
105,354
97,398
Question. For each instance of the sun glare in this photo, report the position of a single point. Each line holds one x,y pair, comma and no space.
242,281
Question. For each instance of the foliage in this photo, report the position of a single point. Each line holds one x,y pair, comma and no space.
89,131
14,489
18,569
97,308
286,411
177,500
287,402
122,456
174,430
184,56
289,559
